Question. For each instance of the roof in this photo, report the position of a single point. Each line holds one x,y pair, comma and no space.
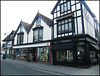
83,2
47,20
26,25
8,37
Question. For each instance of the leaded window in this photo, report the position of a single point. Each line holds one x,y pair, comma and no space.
65,26
66,6
38,34
20,38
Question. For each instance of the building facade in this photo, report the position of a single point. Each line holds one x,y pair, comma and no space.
36,40
70,38
8,44
75,34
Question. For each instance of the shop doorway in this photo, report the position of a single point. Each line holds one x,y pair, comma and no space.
34,54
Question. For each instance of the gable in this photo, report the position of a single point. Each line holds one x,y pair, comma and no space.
44,18
83,2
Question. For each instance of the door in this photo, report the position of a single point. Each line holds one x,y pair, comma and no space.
34,54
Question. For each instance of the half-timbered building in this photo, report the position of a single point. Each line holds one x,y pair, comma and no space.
75,33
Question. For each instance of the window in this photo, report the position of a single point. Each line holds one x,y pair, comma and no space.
80,51
21,29
38,21
64,55
65,26
20,38
43,54
38,35
66,6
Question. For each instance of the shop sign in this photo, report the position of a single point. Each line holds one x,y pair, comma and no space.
81,39
62,41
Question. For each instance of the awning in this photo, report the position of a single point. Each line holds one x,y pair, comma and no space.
95,46
63,46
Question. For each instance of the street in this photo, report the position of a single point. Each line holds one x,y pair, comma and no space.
17,69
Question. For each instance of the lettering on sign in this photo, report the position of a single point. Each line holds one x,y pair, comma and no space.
63,41
82,39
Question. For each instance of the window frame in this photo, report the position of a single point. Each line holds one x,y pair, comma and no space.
60,25
38,29
38,21
20,38
63,5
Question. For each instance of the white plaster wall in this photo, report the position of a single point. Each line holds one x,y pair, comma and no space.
25,36
30,36
46,31
15,39
55,31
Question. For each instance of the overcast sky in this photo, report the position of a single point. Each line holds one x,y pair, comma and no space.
13,11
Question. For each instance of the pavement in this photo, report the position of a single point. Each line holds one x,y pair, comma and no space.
63,70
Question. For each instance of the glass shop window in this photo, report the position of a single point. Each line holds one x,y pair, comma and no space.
80,51
42,54
64,55
92,57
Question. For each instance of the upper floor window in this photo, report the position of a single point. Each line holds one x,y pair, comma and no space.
65,26
20,38
38,34
21,29
66,6
38,21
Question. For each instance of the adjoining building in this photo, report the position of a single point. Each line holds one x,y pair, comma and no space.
8,44
75,34
34,43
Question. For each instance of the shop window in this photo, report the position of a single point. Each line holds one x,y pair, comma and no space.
92,57
42,54
80,51
64,55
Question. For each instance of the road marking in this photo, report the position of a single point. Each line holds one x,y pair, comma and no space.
42,70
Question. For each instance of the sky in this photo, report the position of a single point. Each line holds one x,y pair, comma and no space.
12,12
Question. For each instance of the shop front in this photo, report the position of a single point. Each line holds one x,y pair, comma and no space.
73,52
39,52
20,54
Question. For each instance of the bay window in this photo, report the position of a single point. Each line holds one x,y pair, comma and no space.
20,38
38,34
65,26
